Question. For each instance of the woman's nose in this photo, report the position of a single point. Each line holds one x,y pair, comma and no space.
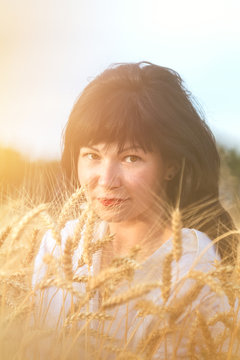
109,175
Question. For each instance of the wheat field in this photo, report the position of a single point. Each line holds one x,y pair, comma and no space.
126,324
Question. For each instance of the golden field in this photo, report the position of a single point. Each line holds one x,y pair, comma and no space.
83,333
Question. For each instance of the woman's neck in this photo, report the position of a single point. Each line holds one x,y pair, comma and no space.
147,234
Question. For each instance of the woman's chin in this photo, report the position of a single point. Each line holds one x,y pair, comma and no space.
112,214
112,217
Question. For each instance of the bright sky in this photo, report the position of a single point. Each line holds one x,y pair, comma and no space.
50,49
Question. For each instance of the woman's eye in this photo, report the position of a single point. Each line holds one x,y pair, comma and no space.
132,158
91,156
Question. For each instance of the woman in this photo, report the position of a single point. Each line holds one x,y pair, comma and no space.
147,105
138,145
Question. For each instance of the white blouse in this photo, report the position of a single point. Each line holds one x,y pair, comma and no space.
198,254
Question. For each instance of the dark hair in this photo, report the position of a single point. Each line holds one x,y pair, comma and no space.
149,106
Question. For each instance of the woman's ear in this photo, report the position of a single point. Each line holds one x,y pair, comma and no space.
172,170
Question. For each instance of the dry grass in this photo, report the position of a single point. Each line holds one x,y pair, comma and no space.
108,315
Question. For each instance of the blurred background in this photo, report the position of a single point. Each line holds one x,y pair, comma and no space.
51,49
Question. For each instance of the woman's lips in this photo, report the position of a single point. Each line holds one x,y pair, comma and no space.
111,202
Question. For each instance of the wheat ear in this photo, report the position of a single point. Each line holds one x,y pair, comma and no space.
180,305
79,227
237,269
88,237
67,259
206,335
122,354
166,276
206,279
192,340
98,333
99,244
18,285
150,344
177,234
79,279
147,307
26,219
75,197
4,234
223,317
133,293
33,244
55,231
60,284
110,274
88,316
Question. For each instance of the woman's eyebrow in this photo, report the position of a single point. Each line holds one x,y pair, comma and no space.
90,147
130,148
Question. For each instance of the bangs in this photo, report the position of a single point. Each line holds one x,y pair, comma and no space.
115,117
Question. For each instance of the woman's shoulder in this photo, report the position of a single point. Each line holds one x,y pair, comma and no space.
198,250
193,242
198,242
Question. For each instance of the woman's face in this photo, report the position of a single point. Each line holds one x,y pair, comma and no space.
122,186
